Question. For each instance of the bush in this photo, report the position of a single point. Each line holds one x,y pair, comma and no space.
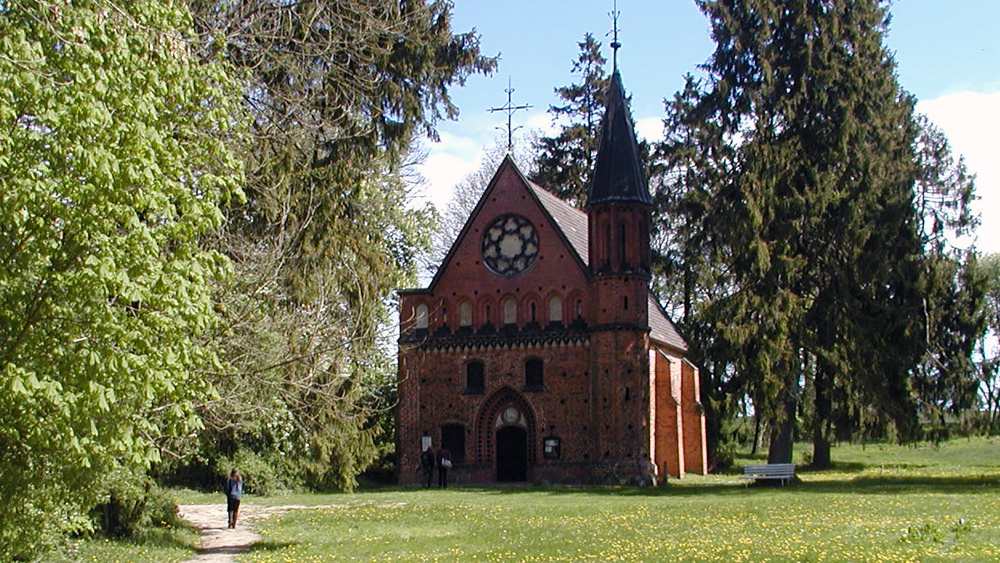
263,474
133,503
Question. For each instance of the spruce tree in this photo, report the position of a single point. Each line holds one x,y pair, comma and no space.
334,94
813,213
566,161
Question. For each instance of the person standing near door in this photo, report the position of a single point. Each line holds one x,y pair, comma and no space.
443,465
427,466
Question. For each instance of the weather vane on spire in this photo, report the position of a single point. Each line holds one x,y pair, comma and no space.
615,45
510,109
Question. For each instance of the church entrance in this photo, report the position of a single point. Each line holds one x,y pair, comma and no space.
512,454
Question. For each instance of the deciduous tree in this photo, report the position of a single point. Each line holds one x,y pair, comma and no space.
111,169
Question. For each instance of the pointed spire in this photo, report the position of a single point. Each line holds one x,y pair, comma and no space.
615,45
618,172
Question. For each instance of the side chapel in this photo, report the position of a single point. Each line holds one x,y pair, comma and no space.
538,352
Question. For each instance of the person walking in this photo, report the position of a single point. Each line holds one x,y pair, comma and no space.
443,465
234,494
427,465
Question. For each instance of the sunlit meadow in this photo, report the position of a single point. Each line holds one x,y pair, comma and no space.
879,504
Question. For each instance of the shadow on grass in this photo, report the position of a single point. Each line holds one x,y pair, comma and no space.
265,546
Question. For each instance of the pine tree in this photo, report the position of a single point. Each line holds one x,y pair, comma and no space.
566,161
808,201
335,94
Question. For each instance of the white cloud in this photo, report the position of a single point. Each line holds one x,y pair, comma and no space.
442,170
542,122
649,128
971,120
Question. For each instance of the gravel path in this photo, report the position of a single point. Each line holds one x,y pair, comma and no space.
218,543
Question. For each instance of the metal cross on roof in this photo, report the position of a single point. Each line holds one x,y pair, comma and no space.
510,108
615,45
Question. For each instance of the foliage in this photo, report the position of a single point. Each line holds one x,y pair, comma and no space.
988,347
111,168
334,93
947,381
132,504
565,162
813,209
861,510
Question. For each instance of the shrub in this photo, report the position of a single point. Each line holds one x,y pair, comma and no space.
263,474
133,503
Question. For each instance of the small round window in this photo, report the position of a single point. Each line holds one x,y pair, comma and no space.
510,245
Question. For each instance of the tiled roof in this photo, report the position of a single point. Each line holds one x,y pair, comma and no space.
569,219
617,173
661,328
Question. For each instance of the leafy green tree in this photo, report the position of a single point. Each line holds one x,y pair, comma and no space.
111,169
988,347
566,161
335,93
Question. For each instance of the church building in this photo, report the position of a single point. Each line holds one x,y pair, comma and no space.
538,353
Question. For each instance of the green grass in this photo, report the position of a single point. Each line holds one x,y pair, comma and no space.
879,503
163,545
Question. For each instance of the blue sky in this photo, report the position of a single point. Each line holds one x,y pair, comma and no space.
947,51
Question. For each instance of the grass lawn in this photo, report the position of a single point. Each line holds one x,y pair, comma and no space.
880,503
160,546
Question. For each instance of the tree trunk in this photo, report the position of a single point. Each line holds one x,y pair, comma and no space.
821,419
757,426
783,435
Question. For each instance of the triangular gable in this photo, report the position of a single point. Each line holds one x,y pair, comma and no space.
538,195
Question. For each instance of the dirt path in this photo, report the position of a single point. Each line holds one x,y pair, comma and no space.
218,543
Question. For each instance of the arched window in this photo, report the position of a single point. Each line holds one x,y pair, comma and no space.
474,380
421,316
509,312
534,313
555,310
533,379
579,308
465,314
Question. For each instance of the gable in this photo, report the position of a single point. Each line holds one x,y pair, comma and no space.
511,194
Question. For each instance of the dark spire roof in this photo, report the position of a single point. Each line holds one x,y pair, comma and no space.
618,173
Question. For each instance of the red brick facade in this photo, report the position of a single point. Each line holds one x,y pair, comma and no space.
622,404
538,354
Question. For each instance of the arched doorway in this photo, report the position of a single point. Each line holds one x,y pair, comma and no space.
505,435
512,454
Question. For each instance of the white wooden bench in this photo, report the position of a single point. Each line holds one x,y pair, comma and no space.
783,471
